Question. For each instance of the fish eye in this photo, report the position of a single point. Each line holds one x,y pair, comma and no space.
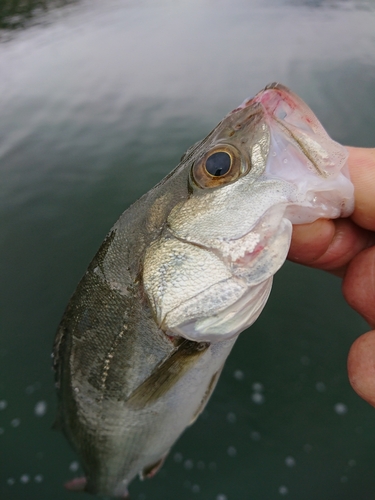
218,163
219,166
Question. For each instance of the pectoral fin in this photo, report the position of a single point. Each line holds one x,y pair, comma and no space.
167,373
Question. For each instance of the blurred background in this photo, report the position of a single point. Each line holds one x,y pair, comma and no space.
98,102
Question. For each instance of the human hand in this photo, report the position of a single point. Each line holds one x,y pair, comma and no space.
346,247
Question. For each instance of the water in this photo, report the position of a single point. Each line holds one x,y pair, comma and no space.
98,102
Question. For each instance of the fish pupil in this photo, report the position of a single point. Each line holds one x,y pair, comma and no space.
218,163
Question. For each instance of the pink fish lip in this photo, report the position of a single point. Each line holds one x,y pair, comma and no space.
269,98
280,106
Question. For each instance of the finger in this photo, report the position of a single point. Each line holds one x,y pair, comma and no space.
361,366
311,241
358,285
362,173
327,244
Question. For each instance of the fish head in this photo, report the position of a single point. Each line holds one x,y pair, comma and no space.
269,164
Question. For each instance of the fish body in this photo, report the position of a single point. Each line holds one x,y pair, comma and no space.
183,271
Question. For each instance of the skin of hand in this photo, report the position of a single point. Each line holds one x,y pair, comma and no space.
346,248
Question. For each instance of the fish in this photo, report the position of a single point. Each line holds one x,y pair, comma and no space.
180,275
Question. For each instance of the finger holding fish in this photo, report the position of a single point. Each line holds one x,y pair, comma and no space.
328,244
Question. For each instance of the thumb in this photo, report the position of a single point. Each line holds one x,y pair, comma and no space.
361,366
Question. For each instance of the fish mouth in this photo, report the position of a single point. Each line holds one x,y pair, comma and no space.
275,93
270,97
242,253
288,116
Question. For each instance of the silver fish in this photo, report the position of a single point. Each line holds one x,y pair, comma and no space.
184,270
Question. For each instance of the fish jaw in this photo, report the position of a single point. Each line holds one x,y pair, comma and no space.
235,279
230,321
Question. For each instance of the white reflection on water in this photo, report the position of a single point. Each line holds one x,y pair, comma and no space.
195,488
258,398
239,375
74,466
15,422
340,408
290,461
40,408
231,418
283,490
